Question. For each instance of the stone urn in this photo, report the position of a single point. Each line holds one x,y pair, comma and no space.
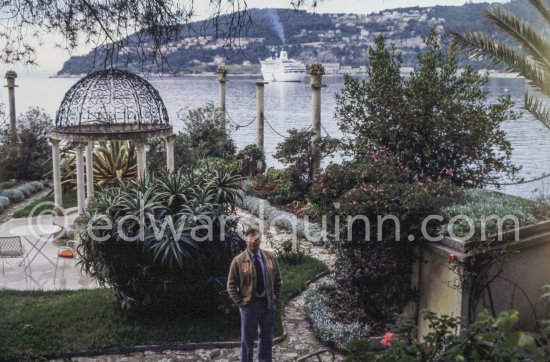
316,72
222,73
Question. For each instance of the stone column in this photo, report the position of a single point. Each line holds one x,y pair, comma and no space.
141,159
316,72
170,140
56,165
90,169
10,77
260,115
80,185
222,77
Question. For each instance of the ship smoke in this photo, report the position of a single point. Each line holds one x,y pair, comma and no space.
275,21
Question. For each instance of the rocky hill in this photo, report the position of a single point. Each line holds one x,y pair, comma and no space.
340,39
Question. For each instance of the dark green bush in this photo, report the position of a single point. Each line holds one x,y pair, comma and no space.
438,121
296,154
28,157
250,161
202,137
161,269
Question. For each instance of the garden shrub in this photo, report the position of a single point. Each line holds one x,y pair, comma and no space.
478,202
328,325
27,158
7,184
36,186
376,267
290,222
290,251
277,186
5,202
13,195
160,270
202,137
437,120
296,154
250,161
26,190
487,339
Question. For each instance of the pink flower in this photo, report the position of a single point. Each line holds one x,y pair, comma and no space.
386,341
323,190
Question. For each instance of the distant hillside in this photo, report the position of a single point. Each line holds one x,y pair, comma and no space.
329,38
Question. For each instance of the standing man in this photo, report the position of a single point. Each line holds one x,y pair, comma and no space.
254,284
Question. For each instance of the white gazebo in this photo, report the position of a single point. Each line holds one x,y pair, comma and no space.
108,105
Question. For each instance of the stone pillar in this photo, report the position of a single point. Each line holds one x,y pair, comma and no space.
316,72
222,77
260,115
90,169
56,165
170,140
10,77
80,185
141,159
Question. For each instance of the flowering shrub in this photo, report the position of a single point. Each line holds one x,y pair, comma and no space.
487,339
276,185
376,264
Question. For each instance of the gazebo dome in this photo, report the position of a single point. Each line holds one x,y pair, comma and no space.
111,104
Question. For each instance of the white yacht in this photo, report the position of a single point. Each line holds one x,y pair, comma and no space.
282,69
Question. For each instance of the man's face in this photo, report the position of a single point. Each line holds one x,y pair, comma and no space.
253,241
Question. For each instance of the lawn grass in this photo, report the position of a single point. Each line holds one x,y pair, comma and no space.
69,200
40,323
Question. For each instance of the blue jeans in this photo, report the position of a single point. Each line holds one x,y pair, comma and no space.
256,317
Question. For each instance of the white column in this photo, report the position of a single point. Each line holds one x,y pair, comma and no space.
141,159
90,169
10,77
316,72
222,77
260,115
80,185
170,140
56,160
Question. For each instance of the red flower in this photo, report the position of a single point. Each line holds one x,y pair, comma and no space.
386,341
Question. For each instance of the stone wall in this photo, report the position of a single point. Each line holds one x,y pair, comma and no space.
526,270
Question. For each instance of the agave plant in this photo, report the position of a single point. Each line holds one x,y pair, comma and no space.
531,58
164,245
115,163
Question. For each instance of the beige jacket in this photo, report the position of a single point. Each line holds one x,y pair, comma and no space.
241,282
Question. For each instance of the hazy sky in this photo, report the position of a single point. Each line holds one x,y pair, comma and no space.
51,59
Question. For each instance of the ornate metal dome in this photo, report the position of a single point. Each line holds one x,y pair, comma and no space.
111,104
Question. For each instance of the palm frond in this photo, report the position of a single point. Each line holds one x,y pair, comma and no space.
538,108
542,8
529,39
481,46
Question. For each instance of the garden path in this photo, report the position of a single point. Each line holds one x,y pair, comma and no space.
300,341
